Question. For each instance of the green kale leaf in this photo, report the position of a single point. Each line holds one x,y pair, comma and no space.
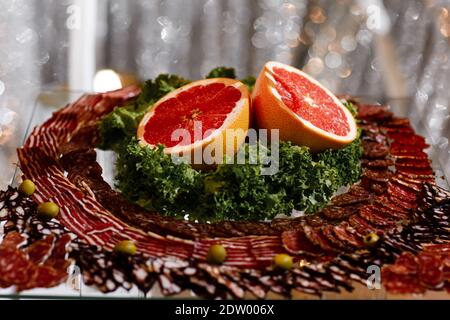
222,72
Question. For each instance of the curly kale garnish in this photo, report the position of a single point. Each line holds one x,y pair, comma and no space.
148,177
305,182
222,72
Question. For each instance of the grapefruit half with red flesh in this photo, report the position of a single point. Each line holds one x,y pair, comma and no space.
211,113
303,111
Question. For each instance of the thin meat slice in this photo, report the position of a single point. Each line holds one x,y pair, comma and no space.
296,242
382,175
361,225
316,237
376,217
395,281
431,269
409,262
40,250
346,233
338,213
380,163
329,233
346,199
401,191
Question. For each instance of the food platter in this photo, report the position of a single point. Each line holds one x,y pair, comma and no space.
360,291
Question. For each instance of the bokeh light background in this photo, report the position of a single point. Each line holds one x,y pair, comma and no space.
384,50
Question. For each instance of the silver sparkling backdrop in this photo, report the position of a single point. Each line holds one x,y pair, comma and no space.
399,49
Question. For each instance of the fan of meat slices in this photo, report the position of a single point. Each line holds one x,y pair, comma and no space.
396,218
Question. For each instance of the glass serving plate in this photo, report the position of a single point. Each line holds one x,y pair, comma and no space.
49,101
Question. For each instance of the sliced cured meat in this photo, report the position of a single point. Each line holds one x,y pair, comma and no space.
400,191
58,257
413,163
415,187
399,283
368,111
347,199
414,172
385,202
409,262
40,250
408,205
359,190
400,147
381,163
438,248
315,220
338,213
376,187
416,155
408,139
374,150
412,178
377,175
14,267
316,237
375,217
398,129
13,240
361,225
296,242
431,269
397,122
330,235
346,233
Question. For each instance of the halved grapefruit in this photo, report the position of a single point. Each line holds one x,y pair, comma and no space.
305,112
203,121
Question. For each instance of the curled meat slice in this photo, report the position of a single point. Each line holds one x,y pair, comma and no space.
408,262
338,213
395,281
361,225
316,237
376,217
413,163
374,150
377,175
346,199
401,191
414,172
379,163
407,139
373,111
346,233
296,242
330,235
431,269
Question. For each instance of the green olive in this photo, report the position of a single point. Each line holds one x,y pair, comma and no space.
27,187
283,261
371,239
48,210
216,254
126,247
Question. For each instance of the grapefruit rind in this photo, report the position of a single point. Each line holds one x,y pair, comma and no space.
272,113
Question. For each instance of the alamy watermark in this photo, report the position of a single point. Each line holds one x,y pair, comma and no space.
373,282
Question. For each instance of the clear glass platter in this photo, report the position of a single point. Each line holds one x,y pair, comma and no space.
49,101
